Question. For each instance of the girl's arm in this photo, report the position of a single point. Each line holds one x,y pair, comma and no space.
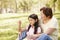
48,32
20,29
39,32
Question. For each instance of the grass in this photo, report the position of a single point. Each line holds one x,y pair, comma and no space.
57,15
9,25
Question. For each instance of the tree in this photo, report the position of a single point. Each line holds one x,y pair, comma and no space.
0,6
25,5
52,4
58,4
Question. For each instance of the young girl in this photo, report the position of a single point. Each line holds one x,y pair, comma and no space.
33,29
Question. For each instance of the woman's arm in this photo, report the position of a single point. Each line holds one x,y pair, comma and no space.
50,31
34,36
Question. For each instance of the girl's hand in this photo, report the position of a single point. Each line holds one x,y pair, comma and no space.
19,23
19,26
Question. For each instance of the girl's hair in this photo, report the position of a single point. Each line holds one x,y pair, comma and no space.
36,24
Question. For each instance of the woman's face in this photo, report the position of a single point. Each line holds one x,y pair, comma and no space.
43,17
32,21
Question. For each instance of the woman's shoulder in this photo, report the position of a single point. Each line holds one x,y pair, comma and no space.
54,19
53,22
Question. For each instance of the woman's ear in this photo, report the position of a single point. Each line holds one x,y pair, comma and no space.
48,17
36,20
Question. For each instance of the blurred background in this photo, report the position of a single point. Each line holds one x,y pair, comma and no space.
11,11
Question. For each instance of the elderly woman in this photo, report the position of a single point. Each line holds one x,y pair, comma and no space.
49,23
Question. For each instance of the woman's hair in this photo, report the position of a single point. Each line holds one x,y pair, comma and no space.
36,24
47,11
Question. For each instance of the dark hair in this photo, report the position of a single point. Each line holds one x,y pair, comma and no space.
47,11
34,16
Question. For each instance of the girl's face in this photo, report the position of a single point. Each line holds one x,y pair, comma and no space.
32,21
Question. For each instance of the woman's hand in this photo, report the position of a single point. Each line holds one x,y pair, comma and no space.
32,36
29,36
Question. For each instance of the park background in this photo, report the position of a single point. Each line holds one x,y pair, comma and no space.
11,11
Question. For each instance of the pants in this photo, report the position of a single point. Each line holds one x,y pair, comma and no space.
23,35
42,37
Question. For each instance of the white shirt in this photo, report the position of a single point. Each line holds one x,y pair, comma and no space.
31,32
51,24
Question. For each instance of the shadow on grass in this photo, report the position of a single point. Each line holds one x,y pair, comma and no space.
58,38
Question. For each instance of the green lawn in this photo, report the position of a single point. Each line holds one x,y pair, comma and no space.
57,15
9,25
